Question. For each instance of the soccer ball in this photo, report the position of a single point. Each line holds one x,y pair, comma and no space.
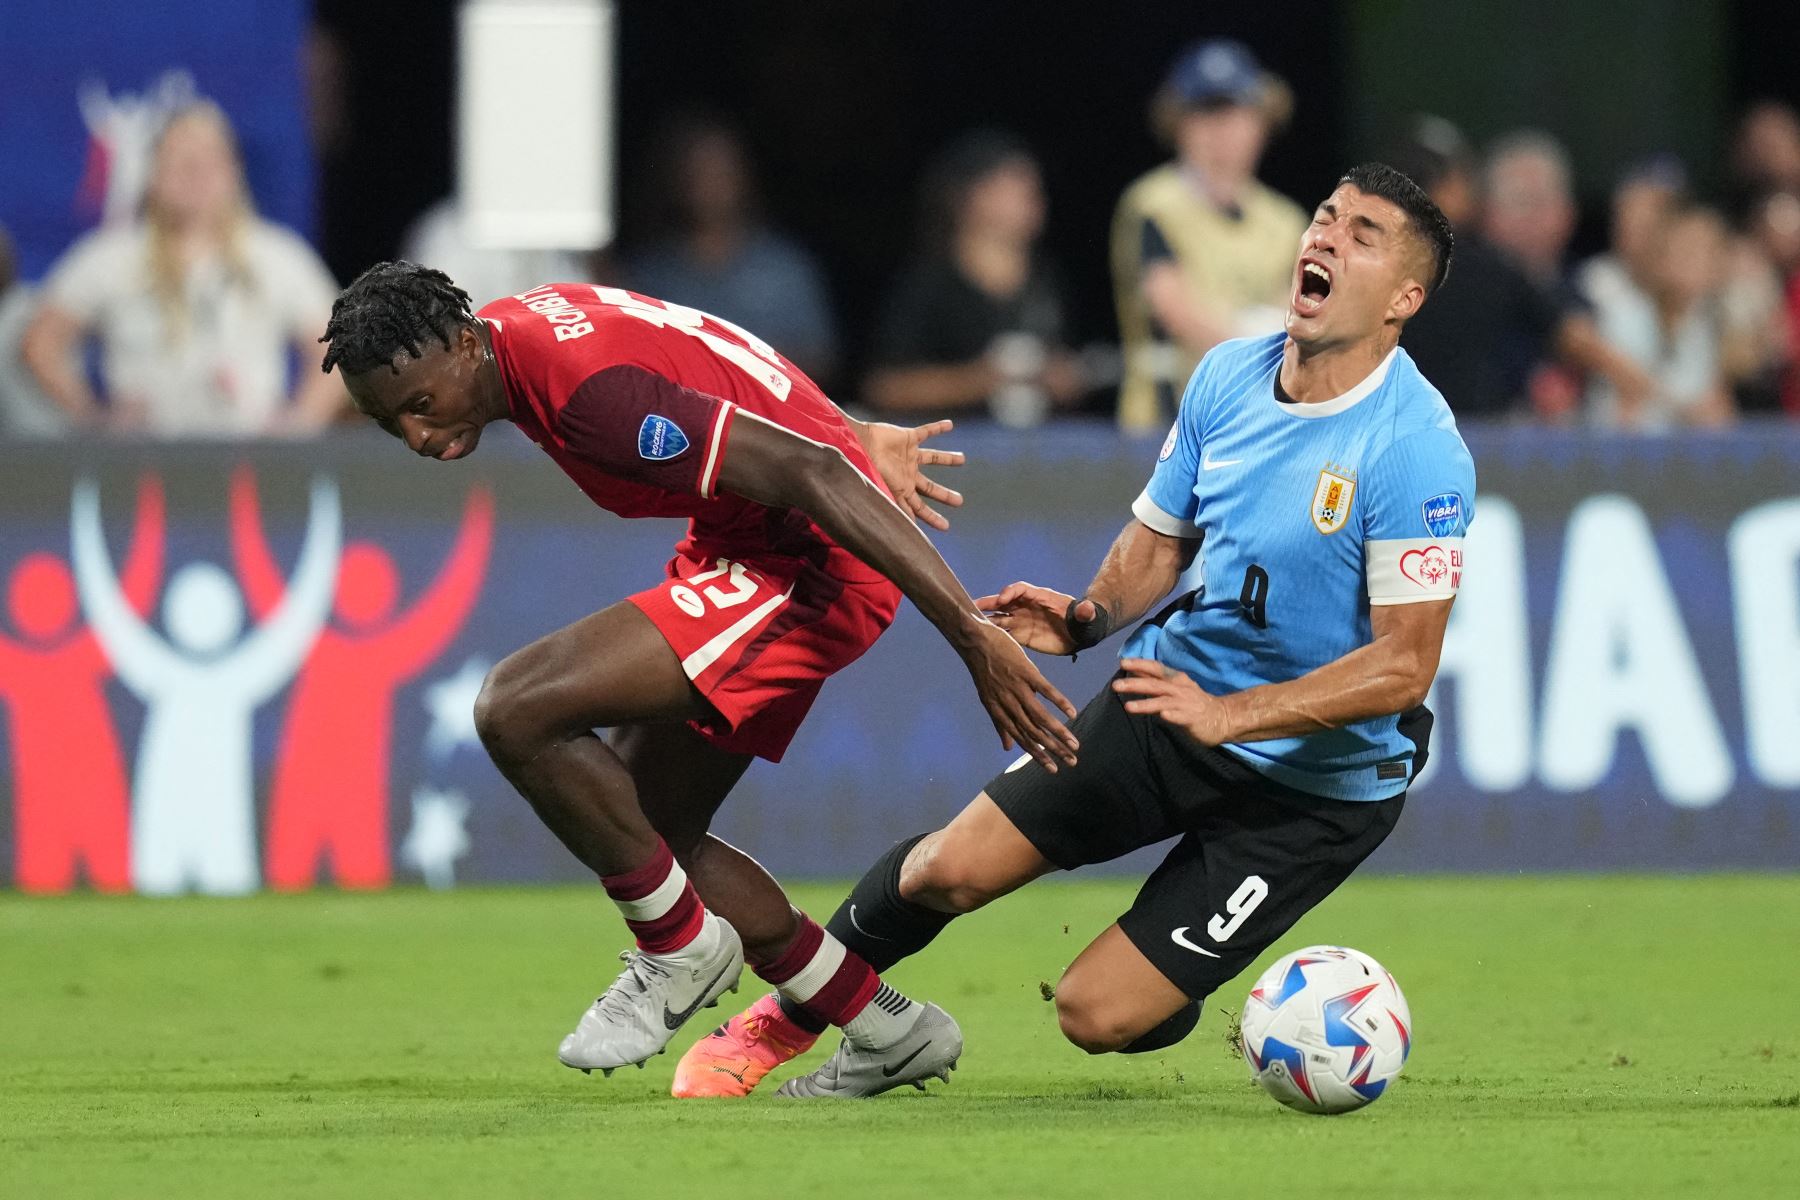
1326,1029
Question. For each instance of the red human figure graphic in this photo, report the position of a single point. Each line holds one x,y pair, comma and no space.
71,799
330,792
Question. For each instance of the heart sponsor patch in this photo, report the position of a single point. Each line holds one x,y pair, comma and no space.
1430,568
1408,570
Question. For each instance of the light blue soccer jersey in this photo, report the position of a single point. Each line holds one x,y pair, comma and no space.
1309,513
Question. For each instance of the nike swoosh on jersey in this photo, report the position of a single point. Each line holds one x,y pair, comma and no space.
900,1066
1180,939
1213,464
677,1020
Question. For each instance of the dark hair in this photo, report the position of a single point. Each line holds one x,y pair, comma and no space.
1428,224
392,306
955,172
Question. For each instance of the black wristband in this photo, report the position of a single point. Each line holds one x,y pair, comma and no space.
1087,633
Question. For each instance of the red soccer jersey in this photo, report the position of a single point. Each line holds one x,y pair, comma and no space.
635,400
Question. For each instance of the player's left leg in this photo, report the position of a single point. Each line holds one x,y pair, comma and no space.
682,778
1253,863
760,686
1112,998
1026,823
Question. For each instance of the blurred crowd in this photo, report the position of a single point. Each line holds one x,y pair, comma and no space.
197,318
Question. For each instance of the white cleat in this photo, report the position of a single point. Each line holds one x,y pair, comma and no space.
654,996
929,1050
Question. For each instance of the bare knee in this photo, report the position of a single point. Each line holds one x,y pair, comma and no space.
940,875
504,720
1087,1018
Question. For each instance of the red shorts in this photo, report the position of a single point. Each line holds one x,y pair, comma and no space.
759,635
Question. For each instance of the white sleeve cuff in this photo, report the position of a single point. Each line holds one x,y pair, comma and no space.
1409,570
1152,515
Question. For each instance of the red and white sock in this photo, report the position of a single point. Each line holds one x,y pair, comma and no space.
836,986
660,906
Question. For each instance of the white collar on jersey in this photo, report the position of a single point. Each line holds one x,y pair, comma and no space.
1337,404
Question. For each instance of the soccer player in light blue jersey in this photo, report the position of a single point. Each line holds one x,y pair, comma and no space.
1272,719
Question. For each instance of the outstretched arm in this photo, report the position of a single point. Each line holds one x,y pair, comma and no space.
638,424
1140,569
141,577
772,466
136,653
1389,675
418,637
256,568
268,657
900,455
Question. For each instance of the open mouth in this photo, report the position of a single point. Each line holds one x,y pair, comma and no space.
1314,287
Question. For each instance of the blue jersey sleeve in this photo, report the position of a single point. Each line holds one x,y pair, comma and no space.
1418,501
1168,504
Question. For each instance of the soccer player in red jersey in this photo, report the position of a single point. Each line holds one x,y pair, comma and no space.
795,559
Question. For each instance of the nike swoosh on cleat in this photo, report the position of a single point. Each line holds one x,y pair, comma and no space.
1179,938
677,1020
737,1075
900,1066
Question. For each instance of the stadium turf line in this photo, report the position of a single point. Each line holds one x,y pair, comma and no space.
1575,1037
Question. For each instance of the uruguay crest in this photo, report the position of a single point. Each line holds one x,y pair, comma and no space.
1331,499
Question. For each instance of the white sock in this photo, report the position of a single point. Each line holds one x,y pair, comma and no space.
705,943
884,1020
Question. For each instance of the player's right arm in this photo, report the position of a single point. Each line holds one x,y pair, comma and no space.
772,466
641,426
1141,568
1145,561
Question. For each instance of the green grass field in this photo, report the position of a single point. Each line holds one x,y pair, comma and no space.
1575,1037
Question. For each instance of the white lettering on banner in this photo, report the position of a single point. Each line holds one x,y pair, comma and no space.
1487,653
1620,659
1764,545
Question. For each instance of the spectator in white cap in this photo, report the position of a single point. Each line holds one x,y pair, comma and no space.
1201,250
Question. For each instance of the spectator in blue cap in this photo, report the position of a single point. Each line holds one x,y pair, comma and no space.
1201,250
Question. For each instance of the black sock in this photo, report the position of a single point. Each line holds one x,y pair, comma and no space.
879,924
1169,1032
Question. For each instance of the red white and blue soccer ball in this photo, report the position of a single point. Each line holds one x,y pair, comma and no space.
1326,1030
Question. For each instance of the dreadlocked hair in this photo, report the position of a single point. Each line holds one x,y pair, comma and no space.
392,307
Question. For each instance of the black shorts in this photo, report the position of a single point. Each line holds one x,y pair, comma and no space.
1254,855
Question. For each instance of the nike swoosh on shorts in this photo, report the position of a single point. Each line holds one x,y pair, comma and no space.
1180,939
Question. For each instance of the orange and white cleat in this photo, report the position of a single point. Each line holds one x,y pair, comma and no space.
734,1058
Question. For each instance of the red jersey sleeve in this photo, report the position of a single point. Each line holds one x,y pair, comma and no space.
644,428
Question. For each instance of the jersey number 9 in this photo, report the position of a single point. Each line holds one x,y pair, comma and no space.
1254,599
